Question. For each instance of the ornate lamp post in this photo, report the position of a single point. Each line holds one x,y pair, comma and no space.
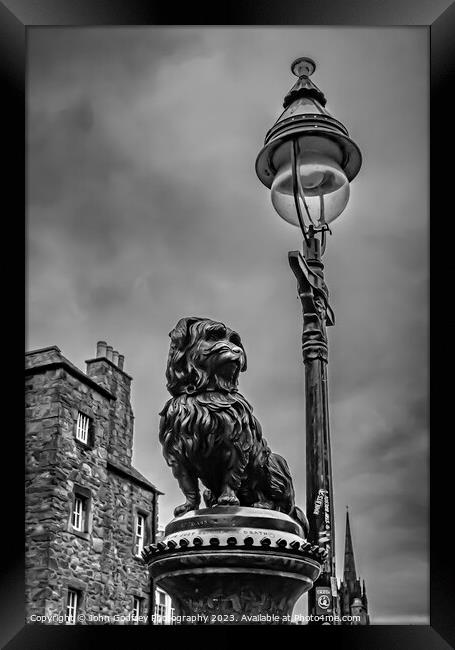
308,161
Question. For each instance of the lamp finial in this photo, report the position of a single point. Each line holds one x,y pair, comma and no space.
303,67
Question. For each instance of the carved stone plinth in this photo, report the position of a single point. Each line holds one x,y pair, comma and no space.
234,565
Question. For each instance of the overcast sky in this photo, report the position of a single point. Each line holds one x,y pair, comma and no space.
144,206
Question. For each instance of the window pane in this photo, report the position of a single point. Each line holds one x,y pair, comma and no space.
79,512
140,534
71,607
137,609
82,427
140,525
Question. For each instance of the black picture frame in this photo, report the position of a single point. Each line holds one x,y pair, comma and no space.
17,17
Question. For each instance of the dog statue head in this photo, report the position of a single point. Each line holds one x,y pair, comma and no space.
204,355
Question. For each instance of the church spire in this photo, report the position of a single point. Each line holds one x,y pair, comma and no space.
364,596
349,574
352,593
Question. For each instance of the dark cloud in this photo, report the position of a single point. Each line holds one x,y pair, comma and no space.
104,56
69,148
144,206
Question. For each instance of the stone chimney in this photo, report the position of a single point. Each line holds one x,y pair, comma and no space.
101,349
105,351
107,370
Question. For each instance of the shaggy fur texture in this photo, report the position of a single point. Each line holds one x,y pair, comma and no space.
208,430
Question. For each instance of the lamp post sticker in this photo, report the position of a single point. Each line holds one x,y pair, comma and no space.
319,501
322,524
323,600
322,512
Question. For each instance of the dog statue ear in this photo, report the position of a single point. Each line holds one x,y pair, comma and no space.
179,334
176,371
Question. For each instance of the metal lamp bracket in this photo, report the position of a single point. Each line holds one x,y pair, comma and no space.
311,287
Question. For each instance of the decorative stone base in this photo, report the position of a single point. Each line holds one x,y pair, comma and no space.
234,565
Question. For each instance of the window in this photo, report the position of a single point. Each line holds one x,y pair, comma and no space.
137,609
140,534
79,514
82,428
160,607
71,606
164,612
80,519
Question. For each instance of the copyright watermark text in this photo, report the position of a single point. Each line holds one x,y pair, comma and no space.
195,619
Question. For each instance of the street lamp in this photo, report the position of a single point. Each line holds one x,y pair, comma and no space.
308,161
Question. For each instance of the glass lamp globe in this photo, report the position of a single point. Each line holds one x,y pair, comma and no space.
316,182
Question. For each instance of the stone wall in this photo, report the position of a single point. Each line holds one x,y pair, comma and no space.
125,575
98,562
118,382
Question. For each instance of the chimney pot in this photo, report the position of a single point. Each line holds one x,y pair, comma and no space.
109,351
101,349
121,360
115,357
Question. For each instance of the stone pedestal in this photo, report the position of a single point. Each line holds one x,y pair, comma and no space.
234,565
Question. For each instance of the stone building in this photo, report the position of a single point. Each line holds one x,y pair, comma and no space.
164,608
89,512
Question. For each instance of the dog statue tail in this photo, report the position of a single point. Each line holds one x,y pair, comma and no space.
299,516
282,490
209,498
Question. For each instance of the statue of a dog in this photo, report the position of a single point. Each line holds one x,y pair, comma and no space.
208,430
